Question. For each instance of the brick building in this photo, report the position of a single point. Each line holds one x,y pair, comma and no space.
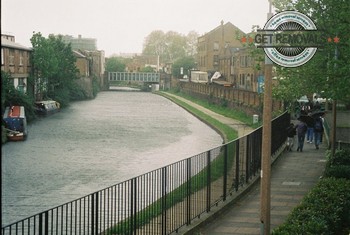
245,73
221,50
15,61
80,43
212,45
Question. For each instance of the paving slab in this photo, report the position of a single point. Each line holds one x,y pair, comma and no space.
293,175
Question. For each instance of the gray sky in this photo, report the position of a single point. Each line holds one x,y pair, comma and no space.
122,25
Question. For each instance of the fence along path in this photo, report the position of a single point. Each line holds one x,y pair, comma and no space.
203,200
161,201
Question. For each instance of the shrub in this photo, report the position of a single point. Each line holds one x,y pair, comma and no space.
325,210
338,171
338,166
341,157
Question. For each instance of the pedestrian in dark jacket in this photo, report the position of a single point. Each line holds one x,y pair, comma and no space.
301,128
318,131
291,132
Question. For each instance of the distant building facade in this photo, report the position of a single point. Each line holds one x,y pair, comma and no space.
80,43
90,61
82,63
15,60
246,70
212,46
222,50
139,62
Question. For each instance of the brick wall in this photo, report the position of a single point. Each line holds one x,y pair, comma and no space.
248,101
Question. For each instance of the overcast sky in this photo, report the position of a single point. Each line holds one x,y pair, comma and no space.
120,26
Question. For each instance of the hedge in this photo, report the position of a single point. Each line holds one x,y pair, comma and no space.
338,166
326,209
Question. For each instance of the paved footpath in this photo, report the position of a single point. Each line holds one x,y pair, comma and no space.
293,175
240,127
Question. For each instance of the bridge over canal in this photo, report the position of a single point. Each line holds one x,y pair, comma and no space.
133,77
139,78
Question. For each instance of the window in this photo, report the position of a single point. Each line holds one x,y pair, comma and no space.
2,56
21,85
216,59
11,57
216,46
21,58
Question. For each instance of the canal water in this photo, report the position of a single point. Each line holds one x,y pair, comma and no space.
95,144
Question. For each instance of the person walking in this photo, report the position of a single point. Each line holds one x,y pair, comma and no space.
291,132
301,128
318,130
309,134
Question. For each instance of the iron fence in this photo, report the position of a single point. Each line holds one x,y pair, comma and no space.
161,201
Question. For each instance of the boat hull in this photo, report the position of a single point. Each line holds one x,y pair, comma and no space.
15,123
16,137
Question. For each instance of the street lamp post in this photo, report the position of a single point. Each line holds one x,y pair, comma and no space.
265,189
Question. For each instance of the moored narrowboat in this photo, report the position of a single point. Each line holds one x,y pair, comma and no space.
46,107
15,123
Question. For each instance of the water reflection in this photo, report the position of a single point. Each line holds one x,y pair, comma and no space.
95,144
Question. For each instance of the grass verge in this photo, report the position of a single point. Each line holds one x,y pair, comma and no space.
197,181
220,109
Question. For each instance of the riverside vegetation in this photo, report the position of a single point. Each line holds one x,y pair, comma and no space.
177,195
326,208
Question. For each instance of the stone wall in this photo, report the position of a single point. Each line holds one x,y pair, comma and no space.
86,84
248,101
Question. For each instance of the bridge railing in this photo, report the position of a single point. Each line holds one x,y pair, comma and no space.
164,200
135,77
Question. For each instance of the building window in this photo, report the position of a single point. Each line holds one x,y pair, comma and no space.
11,57
2,56
216,59
216,46
241,59
21,85
21,58
28,59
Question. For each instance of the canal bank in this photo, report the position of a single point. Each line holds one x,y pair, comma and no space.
228,128
293,176
94,144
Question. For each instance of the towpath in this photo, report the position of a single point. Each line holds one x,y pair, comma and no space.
293,175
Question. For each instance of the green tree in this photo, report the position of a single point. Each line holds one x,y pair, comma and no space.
154,44
192,43
328,71
187,63
11,96
54,70
115,64
170,46
147,69
175,46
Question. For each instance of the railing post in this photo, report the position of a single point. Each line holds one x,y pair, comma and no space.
247,159
208,181
188,209
94,213
237,165
164,209
40,223
225,171
46,222
133,207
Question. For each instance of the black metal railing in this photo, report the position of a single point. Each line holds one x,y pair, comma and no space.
161,201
